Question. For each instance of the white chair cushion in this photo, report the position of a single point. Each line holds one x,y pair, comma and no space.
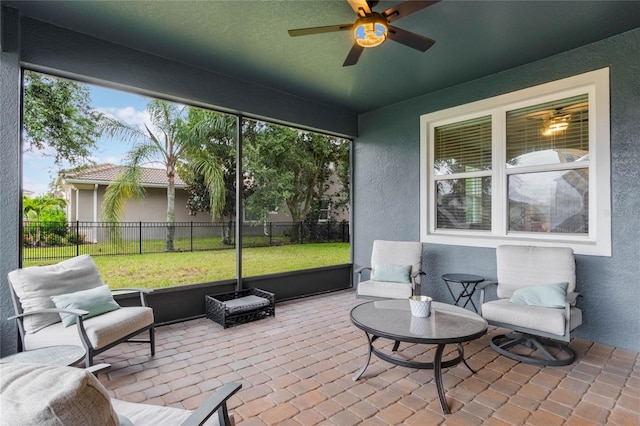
548,320
397,253
101,330
384,289
35,285
524,266
36,394
153,415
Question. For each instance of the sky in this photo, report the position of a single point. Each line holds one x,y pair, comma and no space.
39,170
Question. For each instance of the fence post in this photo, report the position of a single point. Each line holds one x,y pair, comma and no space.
191,236
300,233
140,237
270,234
328,231
77,238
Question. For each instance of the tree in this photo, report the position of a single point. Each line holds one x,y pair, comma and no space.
166,142
58,115
37,208
216,134
288,166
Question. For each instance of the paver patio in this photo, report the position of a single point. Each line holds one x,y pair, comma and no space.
297,368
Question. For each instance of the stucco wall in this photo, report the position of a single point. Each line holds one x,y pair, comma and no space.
9,172
386,185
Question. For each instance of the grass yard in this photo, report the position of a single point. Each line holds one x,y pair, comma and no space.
159,270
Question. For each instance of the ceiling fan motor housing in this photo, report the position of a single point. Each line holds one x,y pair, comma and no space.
370,30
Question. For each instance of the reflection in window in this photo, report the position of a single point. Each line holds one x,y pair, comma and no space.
464,203
549,133
550,202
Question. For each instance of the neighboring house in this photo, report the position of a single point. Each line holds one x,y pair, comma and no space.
84,192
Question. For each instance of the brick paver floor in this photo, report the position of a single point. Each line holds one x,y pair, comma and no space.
297,368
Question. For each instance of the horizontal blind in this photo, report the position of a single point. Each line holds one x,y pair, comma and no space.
462,147
532,141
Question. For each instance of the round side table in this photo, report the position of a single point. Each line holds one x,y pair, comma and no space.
468,283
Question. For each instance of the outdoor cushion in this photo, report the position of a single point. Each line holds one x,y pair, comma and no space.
35,285
524,266
546,296
37,394
382,289
244,304
101,330
96,300
531,317
391,273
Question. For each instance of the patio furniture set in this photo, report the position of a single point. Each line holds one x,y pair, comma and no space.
536,300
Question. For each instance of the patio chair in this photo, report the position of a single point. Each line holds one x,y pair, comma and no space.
49,300
537,301
394,273
56,395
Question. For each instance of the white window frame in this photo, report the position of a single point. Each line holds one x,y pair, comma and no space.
598,241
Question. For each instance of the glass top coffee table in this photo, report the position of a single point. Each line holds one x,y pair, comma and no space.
392,319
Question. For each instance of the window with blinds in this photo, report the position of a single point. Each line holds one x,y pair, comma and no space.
548,133
530,166
547,136
462,167
462,147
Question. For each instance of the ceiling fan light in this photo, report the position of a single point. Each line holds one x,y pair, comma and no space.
557,124
370,31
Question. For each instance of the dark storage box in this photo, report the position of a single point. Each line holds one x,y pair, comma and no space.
240,306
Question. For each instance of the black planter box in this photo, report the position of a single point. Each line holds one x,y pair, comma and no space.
240,306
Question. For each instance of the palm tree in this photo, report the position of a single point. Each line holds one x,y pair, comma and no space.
167,142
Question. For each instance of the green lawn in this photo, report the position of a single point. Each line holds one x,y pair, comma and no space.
158,270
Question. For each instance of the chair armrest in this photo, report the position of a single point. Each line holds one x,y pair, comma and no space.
418,274
359,271
76,312
482,287
142,291
217,401
572,297
98,368
484,284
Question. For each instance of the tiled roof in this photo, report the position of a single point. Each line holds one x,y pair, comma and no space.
101,173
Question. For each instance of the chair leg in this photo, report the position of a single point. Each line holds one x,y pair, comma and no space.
152,340
562,355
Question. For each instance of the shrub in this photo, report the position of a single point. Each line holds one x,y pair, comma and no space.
52,239
76,238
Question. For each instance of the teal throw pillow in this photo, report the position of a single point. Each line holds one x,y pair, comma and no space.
391,273
96,300
546,296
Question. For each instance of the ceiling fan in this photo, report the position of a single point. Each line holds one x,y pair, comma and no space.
372,28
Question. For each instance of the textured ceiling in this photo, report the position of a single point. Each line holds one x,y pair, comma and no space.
249,40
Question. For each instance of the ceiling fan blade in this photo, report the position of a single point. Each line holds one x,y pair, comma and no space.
406,8
319,30
354,55
360,7
413,40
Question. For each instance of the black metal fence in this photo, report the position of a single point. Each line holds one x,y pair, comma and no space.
54,240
